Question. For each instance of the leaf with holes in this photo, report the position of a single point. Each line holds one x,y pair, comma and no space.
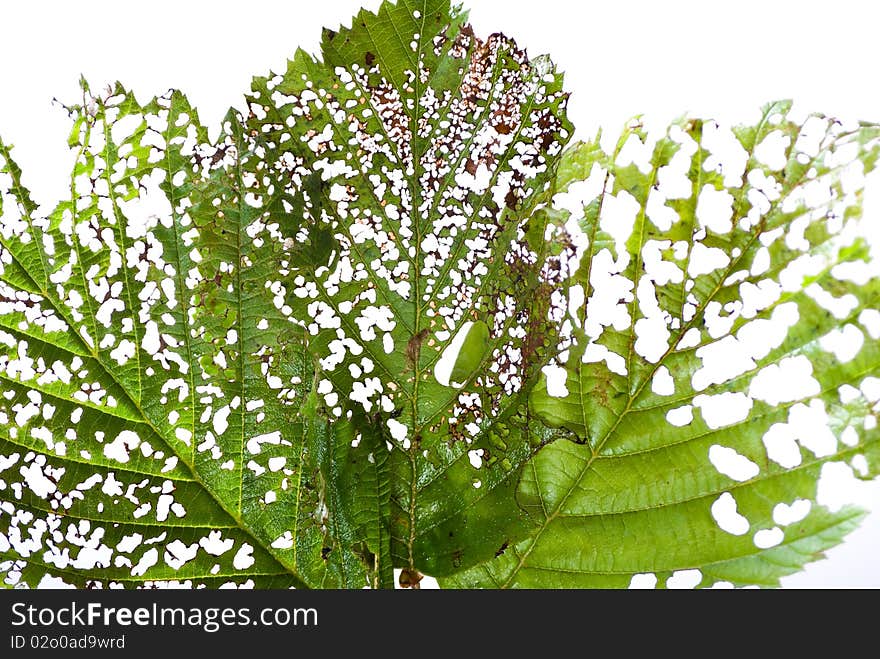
725,365
150,433
416,148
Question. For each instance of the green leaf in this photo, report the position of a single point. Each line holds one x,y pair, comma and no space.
419,151
150,431
472,352
724,361
352,459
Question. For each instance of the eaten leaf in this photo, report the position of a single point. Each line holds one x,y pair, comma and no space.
683,482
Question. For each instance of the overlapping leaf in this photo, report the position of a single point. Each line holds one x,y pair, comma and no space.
726,361
227,338
325,344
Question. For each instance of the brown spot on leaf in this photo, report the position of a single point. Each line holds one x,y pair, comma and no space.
510,200
414,348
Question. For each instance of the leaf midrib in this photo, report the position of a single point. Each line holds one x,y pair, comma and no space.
852,512
734,485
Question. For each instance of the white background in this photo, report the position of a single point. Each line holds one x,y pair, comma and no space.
715,59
